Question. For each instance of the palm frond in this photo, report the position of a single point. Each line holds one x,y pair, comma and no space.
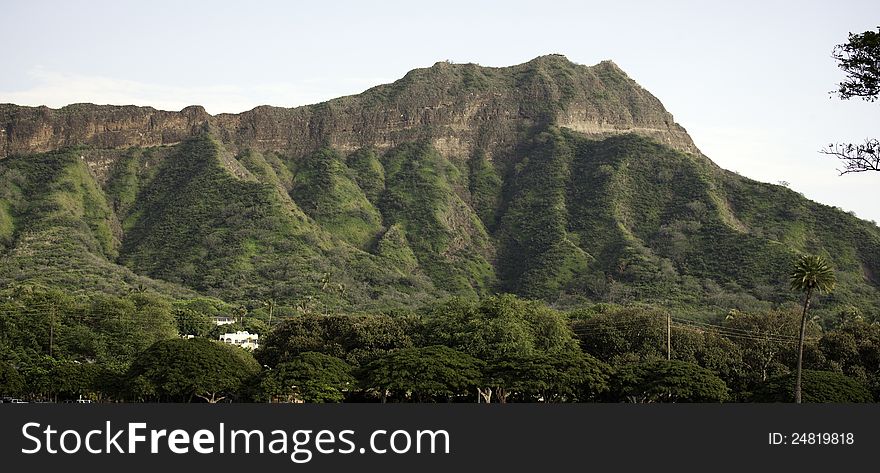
812,272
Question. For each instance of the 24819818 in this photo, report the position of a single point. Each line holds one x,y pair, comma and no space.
812,438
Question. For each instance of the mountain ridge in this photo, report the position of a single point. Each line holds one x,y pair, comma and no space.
447,97
548,179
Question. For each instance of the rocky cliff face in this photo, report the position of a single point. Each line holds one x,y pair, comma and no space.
29,130
459,107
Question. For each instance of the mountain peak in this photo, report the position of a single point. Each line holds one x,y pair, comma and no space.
458,106
551,58
610,65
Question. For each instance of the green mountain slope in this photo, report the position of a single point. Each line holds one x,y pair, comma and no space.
548,179
445,234
206,222
57,228
325,188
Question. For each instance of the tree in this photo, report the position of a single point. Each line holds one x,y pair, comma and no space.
666,381
821,386
767,347
270,305
309,377
617,334
423,373
859,58
11,382
852,348
856,157
496,329
191,322
713,351
198,367
357,339
131,324
71,380
811,273
560,375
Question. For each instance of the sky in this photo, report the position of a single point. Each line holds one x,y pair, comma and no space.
749,80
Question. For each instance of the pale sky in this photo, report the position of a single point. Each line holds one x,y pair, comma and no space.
749,80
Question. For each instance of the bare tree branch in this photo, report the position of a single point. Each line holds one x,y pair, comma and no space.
856,158
213,399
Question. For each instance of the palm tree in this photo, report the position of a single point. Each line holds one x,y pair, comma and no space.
811,273
270,303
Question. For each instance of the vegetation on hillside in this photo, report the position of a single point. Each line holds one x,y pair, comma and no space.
565,219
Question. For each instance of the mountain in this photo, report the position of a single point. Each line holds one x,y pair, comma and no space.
548,179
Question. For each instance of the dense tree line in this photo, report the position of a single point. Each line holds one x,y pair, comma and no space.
503,349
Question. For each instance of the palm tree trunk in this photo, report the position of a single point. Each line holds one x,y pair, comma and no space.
797,385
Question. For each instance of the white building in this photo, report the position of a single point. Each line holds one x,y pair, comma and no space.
243,339
222,320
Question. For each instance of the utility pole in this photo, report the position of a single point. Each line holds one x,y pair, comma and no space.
52,342
668,336
51,328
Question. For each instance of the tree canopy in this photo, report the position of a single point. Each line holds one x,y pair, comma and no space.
308,377
181,369
818,386
499,326
854,349
666,381
353,338
859,58
423,373
558,375
11,381
812,273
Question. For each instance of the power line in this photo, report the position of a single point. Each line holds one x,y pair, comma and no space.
717,327
735,331
693,325
742,337
752,336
